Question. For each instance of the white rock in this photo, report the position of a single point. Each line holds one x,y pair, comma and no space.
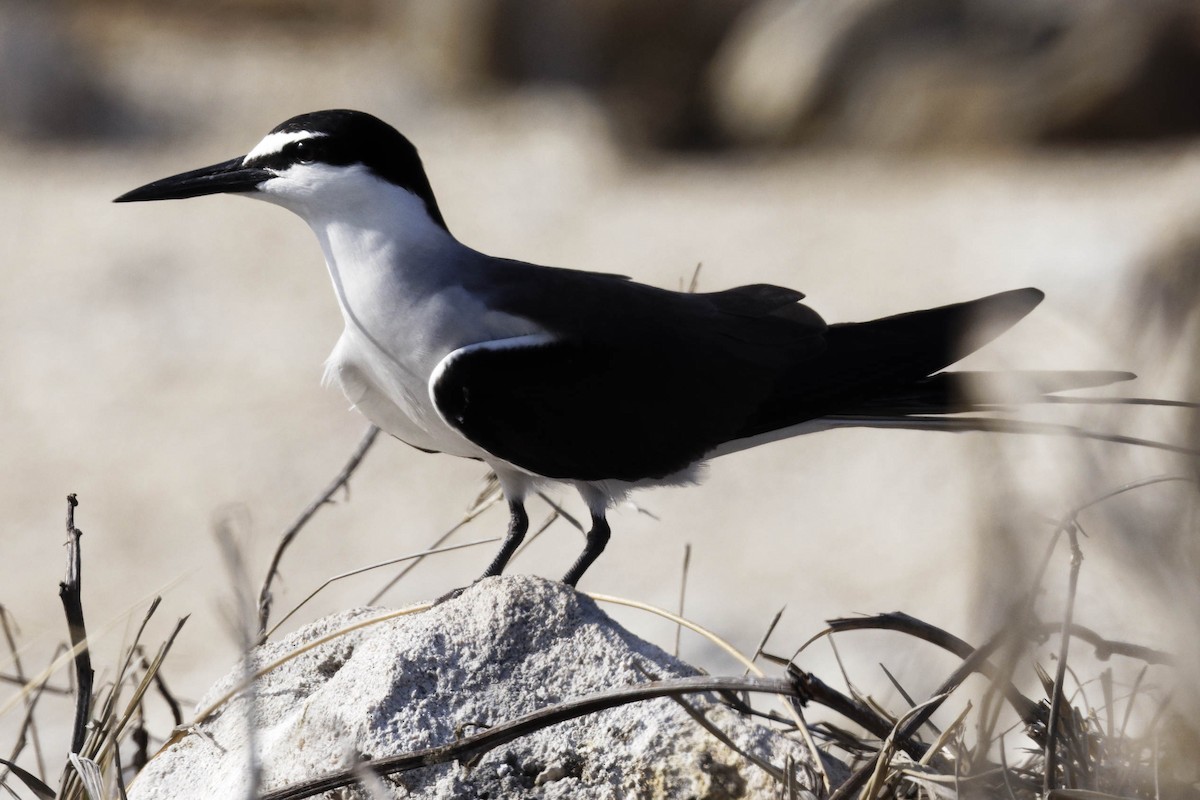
506,647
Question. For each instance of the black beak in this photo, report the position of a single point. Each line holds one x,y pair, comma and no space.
228,176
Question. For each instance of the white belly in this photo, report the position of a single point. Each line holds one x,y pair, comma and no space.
395,400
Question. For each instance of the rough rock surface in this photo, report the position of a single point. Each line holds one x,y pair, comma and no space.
506,647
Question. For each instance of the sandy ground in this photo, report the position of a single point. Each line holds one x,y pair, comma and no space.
163,362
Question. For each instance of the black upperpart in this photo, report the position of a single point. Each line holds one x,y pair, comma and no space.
344,137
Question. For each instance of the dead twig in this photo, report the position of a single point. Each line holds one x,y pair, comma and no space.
899,687
47,688
903,623
471,748
488,498
34,784
1049,779
361,570
810,689
1106,648
168,698
69,591
917,718
28,730
341,480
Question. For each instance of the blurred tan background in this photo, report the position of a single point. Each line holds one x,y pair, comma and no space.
163,361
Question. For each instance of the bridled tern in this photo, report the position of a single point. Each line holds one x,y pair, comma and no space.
581,378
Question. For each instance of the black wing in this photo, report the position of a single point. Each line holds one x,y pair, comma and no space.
638,383
641,382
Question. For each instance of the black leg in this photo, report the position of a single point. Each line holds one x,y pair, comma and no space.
597,538
518,523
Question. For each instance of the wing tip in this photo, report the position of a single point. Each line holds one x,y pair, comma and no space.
1021,301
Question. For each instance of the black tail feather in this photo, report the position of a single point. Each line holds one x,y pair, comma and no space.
965,391
886,358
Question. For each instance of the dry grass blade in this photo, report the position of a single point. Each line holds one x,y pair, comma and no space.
341,480
687,560
720,735
1106,686
1005,771
205,713
89,775
471,748
883,758
119,770
717,733
678,620
766,637
27,726
904,623
1050,776
28,729
135,645
106,708
361,570
108,729
1022,618
908,698
482,503
917,717
812,689
240,623
575,523
139,692
944,737
17,680
1133,693
34,784
794,711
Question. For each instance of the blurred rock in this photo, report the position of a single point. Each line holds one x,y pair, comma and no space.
705,74
690,74
646,61
49,85
305,17
506,647
774,68
924,73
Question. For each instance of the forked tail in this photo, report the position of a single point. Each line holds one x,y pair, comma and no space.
886,373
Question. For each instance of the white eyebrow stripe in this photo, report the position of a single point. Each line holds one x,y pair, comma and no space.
274,142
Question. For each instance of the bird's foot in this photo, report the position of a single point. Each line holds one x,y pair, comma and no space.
450,595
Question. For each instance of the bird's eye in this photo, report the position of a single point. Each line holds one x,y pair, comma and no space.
305,153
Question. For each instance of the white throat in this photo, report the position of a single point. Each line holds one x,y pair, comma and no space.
383,250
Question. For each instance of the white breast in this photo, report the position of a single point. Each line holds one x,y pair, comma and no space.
399,278
376,391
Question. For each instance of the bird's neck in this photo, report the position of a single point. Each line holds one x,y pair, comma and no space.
384,257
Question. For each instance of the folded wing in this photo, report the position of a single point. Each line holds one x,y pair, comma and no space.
630,382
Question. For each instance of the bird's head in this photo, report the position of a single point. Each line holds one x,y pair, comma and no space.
319,165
